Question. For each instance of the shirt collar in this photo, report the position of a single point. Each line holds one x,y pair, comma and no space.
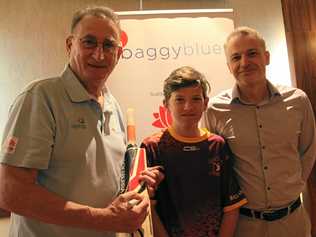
273,92
74,88
78,93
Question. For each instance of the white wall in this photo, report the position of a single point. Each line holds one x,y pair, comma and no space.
32,34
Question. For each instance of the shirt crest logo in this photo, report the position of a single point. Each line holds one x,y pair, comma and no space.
215,167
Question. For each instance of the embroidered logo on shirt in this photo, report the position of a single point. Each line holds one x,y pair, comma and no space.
10,145
79,123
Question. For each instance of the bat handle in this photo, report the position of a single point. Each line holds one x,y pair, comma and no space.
131,131
131,134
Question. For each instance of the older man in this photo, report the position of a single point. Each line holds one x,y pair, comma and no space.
271,132
63,144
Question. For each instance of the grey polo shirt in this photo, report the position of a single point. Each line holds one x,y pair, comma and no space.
273,143
54,126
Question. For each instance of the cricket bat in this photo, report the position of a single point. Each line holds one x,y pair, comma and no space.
136,162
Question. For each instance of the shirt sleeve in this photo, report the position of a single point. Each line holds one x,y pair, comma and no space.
207,121
213,121
29,133
231,195
150,152
307,139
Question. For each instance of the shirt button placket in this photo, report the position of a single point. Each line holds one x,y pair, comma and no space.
263,150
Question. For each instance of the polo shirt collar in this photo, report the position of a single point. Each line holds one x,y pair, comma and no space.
78,93
74,88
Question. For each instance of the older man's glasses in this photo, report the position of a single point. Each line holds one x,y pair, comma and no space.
92,43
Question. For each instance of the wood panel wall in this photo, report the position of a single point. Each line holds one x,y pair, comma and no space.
300,27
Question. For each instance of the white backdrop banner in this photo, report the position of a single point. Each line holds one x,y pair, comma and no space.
155,47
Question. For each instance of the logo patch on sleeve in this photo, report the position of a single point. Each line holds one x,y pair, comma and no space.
10,145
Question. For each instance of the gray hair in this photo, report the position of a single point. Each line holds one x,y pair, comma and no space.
245,31
103,12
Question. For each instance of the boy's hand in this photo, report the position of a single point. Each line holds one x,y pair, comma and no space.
152,176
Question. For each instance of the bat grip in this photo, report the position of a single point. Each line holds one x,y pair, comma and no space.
131,134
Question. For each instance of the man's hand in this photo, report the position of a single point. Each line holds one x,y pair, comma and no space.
127,215
18,189
152,176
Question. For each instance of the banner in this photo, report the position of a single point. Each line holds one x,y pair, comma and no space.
153,48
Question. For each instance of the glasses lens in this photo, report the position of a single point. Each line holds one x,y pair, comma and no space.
108,45
89,43
92,43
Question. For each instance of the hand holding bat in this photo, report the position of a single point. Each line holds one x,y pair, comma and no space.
125,217
152,176
134,179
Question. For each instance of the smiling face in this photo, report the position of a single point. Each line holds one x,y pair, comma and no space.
186,106
93,65
247,59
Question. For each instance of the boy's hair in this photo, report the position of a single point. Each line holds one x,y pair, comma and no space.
182,77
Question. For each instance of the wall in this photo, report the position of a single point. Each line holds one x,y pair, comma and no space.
32,34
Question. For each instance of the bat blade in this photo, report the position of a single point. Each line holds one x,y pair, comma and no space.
134,163
138,165
131,150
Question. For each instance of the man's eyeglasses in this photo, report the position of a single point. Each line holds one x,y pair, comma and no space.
92,43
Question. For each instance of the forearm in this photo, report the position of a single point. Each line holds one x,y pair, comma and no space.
31,200
229,223
159,229
48,207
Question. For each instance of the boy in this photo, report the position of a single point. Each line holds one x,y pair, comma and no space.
199,196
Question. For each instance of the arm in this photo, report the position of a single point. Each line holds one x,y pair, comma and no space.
154,174
307,149
19,191
228,224
153,177
232,196
307,138
159,229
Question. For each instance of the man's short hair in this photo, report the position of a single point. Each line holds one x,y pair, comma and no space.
245,31
183,77
103,12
